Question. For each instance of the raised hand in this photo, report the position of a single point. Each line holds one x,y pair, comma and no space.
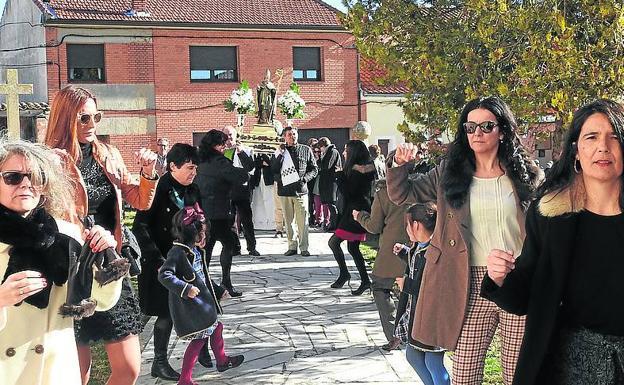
147,160
499,264
406,152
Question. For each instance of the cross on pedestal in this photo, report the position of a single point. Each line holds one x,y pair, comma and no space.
12,89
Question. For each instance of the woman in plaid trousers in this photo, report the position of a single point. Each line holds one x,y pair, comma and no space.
481,190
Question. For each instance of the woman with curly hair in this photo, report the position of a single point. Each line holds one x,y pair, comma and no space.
482,190
37,256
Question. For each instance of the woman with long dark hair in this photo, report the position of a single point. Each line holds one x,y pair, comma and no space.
568,278
355,182
481,191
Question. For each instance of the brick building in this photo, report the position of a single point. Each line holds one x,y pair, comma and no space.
162,68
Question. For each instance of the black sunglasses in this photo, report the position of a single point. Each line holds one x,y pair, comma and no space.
13,178
85,118
486,127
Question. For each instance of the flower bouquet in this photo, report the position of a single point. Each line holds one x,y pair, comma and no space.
241,100
291,104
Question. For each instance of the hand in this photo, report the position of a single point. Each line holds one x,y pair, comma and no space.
499,264
19,286
193,291
146,159
406,152
265,164
99,239
355,214
397,248
399,281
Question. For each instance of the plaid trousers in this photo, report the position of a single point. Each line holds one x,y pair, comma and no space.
482,319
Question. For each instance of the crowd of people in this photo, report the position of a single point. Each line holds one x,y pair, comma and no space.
479,240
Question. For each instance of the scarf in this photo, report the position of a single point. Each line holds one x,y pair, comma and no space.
37,245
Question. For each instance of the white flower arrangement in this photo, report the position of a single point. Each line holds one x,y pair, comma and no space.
291,104
241,100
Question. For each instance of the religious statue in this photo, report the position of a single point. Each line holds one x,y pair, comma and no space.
266,100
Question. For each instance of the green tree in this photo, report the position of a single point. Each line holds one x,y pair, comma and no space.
540,56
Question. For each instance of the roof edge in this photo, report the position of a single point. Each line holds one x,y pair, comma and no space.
186,25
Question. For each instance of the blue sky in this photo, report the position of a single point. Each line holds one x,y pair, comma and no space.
334,3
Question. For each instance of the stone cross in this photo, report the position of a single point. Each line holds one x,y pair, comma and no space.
12,89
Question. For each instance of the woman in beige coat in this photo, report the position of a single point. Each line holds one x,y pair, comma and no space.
37,345
481,190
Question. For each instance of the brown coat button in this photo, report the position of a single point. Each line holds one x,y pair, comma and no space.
39,349
10,352
452,243
450,215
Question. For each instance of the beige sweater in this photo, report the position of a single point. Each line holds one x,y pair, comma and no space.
493,219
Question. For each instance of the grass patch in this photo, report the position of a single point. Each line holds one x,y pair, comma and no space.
492,373
100,369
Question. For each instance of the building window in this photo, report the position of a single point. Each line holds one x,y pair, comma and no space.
85,63
306,63
213,64
541,153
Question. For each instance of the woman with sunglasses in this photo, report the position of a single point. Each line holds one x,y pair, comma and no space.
101,181
36,341
482,190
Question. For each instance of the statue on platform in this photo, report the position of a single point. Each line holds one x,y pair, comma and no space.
266,100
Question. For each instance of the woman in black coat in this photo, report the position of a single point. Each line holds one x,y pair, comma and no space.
568,278
216,175
330,161
355,183
152,229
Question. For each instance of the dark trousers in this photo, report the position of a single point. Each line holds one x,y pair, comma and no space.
243,210
221,230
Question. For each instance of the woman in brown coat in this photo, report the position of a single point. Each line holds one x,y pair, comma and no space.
481,190
101,181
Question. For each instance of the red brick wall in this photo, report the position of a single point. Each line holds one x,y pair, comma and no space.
331,103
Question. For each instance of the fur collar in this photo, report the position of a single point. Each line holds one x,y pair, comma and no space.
568,200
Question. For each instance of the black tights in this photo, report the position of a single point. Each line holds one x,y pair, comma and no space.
354,249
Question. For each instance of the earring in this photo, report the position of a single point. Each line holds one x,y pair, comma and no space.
577,166
501,139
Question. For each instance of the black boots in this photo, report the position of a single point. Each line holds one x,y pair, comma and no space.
162,369
160,366
342,279
365,285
